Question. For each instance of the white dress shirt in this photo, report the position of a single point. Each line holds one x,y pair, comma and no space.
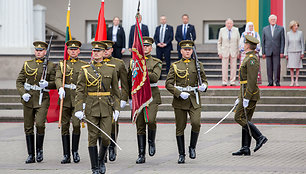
115,30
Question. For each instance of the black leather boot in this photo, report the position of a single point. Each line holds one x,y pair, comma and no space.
112,152
151,141
100,144
66,149
102,154
245,143
30,147
93,154
39,147
181,148
75,148
260,139
141,149
193,143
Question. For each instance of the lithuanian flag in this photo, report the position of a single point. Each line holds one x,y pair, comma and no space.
68,33
258,12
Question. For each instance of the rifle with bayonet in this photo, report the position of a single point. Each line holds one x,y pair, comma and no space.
197,63
45,69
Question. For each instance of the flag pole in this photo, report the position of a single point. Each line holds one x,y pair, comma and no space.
64,76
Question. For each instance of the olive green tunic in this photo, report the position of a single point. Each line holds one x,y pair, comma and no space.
183,73
122,76
248,79
73,68
99,102
31,73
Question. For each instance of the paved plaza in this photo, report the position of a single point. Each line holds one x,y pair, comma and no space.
285,152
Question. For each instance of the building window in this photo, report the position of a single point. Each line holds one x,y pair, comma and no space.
91,27
212,28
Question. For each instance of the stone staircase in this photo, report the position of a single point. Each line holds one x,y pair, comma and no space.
214,100
212,64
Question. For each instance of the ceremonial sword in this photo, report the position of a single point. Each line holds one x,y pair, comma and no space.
102,132
222,119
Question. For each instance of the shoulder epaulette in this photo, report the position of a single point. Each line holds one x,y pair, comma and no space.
29,60
82,61
111,65
176,62
85,66
156,59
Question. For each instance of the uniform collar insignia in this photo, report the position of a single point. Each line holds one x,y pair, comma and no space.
39,61
73,60
187,60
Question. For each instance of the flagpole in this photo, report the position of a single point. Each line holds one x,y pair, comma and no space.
64,77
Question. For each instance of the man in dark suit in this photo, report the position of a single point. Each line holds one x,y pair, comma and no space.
183,33
163,39
144,30
273,43
117,35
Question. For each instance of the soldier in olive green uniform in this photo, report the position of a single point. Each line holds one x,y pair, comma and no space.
154,66
122,76
29,84
182,82
97,87
73,67
248,96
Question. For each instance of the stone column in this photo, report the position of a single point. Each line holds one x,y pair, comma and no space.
16,30
148,10
39,22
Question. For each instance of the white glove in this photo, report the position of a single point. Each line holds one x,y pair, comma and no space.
79,115
84,106
202,88
237,101
26,97
130,103
245,103
184,95
116,115
61,93
122,103
43,83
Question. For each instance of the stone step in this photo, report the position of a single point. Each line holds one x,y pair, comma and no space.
205,99
205,107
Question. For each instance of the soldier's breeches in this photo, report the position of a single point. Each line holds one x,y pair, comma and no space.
240,115
115,125
68,115
181,120
141,123
37,115
93,133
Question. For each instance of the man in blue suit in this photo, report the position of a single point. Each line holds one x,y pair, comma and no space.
144,30
183,33
163,39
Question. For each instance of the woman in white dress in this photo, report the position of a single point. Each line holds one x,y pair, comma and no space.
294,51
249,30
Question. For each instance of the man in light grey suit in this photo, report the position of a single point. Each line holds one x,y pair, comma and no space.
273,43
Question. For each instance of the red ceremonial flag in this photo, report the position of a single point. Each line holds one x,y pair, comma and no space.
141,90
101,28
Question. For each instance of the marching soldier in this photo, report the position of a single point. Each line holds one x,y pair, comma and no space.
73,67
122,76
97,88
248,97
29,85
154,66
182,82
